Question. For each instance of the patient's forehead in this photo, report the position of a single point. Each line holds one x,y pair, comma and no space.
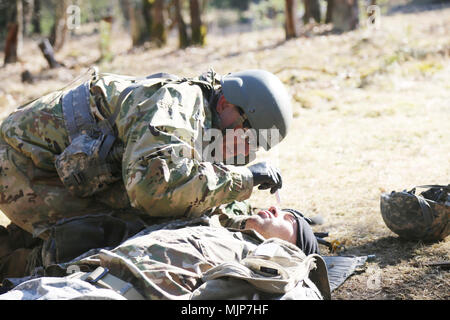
294,217
288,212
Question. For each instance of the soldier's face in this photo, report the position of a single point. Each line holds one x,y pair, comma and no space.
237,144
274,223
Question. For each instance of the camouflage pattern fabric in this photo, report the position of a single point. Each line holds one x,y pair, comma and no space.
194,263
417,217
154,123
33,198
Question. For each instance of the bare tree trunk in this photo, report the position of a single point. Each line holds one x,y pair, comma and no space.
204,5
20,26
28,16
290,25
197,27
13,41
312,10
159,33
105,38
138,26
59,30
36,17
133,23
47,51
183,37
148,17
171,15
329,11
345,15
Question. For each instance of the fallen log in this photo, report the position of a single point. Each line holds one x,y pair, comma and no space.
47,51
441,264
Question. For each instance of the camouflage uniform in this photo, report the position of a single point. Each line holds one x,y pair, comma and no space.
181,260
154,123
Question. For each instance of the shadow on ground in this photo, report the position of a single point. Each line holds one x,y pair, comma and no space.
389,250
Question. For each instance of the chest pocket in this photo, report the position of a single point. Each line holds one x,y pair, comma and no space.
91,163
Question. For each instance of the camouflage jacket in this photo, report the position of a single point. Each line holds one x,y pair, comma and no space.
154,123
182,260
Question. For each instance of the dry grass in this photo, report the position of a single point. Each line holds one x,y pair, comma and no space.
372,114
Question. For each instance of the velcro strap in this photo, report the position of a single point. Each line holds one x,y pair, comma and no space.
102,278
96,275
77,115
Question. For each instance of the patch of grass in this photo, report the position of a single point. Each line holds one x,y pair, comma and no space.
304,101
429,67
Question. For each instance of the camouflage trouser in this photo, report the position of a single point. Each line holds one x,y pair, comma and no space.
34,199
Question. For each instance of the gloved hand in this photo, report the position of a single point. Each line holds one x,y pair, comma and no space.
266,176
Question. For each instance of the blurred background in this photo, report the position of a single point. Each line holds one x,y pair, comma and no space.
370,86
71,35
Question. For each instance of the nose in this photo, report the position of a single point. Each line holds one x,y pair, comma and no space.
274,211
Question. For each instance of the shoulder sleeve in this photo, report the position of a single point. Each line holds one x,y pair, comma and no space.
163,174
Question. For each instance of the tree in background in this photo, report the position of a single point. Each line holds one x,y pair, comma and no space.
312,11
159,33
345,15
329,11
290,13
59,29
234,4
105,38
36,16
147,7
13,41
28,9
183,37
197,26
140,31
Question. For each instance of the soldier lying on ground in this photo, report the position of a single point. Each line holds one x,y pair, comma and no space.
198,259
73,237
116,143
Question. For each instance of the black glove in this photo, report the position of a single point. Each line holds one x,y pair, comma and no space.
266,176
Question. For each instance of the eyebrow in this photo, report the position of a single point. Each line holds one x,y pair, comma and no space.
294,219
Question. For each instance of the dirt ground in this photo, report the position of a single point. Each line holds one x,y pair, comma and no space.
371,115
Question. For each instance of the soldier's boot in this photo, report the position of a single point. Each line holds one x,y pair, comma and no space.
19,238
15,264
17,249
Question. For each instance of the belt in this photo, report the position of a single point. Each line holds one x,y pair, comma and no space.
101,278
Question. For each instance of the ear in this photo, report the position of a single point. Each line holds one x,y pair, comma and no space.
221,104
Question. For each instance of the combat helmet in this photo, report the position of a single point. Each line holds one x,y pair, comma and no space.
418,217
264,100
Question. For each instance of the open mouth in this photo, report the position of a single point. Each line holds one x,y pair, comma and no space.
265,214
